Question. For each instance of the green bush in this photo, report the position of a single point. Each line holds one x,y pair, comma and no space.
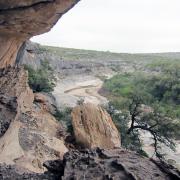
42,79
163,89
158,92
64,116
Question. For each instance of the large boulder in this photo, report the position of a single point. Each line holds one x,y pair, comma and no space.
93,127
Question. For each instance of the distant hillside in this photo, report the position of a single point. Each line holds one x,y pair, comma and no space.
68,61
71,54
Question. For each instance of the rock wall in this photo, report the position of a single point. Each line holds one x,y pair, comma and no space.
34,54
20,20
29,134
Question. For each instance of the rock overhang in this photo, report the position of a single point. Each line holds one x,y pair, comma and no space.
21,20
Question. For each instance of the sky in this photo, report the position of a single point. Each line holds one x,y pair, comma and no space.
134,26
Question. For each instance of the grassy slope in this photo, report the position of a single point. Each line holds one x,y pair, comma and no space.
79,54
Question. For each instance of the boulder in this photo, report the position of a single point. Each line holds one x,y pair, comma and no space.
46,101
93,127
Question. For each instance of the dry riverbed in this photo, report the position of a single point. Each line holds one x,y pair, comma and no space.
72,89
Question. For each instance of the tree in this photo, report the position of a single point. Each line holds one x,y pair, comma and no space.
128,141
161,127
134,93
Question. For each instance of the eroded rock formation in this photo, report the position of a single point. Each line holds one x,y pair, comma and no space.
21,19
116,164
29,134
93,127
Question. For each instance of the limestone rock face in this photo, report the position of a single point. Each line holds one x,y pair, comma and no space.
22,19
29,134
93,127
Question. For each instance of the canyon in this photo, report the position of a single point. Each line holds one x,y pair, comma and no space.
81,78
33,144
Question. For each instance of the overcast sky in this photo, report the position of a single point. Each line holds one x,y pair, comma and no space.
119,26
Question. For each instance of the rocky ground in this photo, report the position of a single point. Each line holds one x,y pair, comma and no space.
97,164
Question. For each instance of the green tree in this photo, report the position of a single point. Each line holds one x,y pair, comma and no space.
128,141
134,93
162,128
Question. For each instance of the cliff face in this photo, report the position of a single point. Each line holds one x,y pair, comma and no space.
20,20
29,134
69,62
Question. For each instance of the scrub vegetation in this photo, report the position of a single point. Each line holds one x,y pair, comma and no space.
42,79
146,101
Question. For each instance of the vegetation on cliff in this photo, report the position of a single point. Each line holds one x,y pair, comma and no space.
42,79
146,101
64,116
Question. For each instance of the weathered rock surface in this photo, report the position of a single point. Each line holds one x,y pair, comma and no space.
114,164
29,134
7,112
21,19
93,127
46,101
12,172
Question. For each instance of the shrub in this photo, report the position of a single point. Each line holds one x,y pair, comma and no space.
64,116
42,79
